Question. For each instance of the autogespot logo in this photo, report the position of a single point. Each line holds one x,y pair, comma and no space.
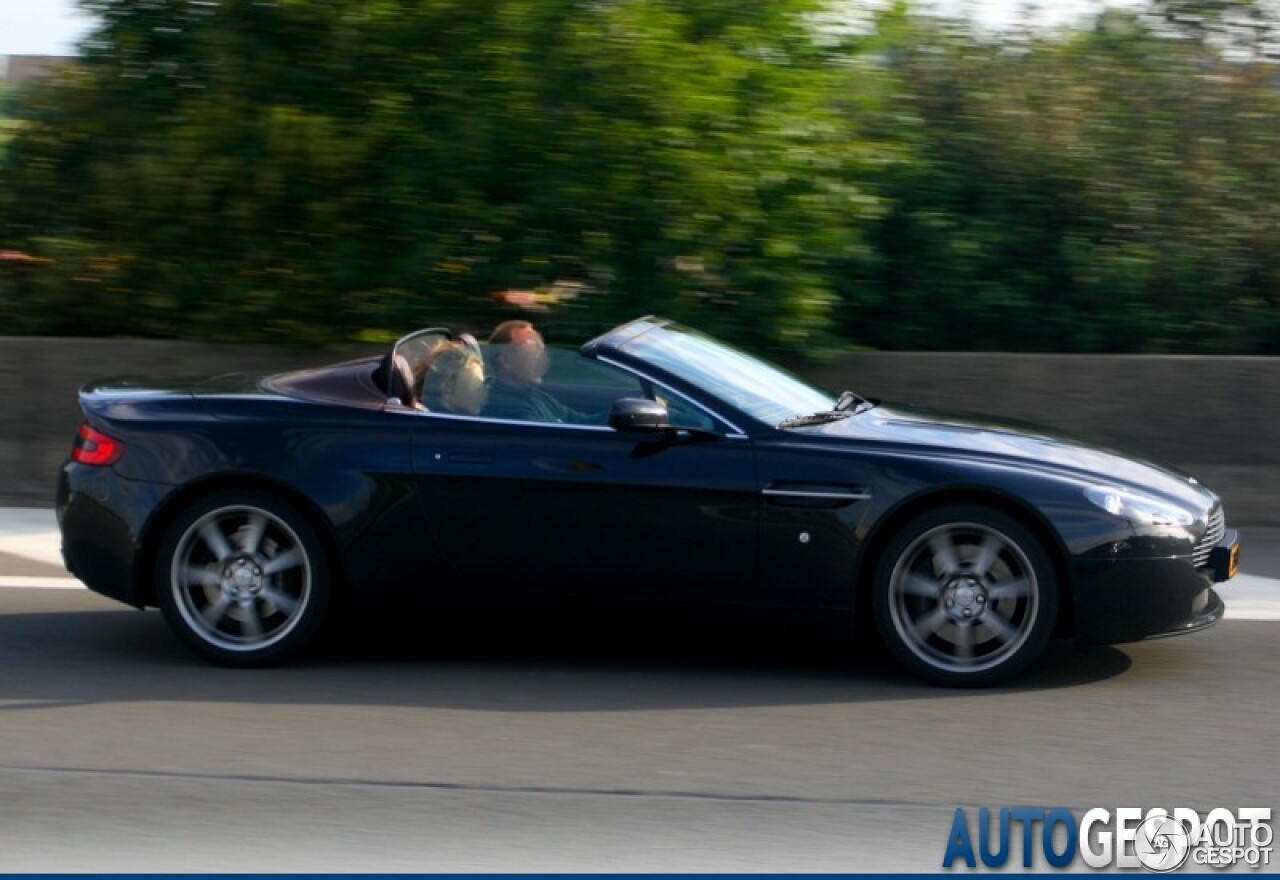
1158,840
1161,844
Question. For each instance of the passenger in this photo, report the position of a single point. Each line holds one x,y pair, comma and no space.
453,380
420,356
519,362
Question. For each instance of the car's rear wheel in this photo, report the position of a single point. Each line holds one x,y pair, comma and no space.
242,579
965,595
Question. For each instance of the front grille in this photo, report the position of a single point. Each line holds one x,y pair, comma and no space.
1212,535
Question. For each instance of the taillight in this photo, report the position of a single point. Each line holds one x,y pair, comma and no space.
94,447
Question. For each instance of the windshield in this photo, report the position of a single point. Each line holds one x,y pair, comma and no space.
759,389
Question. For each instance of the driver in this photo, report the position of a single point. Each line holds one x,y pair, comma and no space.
518,366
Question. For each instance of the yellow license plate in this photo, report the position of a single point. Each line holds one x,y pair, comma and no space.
1233,562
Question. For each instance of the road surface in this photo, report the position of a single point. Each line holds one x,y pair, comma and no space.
120,752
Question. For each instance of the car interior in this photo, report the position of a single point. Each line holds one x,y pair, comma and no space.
439,370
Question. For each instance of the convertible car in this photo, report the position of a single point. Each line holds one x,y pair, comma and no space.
244,507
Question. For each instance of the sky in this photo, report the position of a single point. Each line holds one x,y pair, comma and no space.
40,27
52,27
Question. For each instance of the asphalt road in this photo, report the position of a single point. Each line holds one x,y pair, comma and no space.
118,751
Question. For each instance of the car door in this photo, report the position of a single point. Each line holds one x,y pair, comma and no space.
582,509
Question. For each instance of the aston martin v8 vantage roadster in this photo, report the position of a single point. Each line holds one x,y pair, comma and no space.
244,506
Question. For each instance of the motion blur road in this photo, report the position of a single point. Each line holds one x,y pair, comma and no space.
120,752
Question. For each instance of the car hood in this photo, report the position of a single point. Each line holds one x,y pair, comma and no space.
1008,440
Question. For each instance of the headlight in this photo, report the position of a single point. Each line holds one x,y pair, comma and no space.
1140,510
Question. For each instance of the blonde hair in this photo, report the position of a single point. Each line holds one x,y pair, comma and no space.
453,380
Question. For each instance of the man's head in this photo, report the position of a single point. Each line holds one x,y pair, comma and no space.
521,359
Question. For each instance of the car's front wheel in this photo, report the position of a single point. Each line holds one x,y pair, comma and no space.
965,595
241,578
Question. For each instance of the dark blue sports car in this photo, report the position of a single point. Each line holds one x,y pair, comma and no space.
244,507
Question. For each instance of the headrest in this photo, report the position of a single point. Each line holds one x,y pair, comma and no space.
395,377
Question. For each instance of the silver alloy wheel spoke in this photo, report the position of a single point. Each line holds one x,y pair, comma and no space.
214,613
963,642
944,554
988,553
919,585
204,577
216,541
1000,625
252,537
930,623
285,604
252,622
291,558
1018,589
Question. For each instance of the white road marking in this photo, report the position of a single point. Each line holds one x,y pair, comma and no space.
18,582
31,533
38,548
27,520
1250,597
1251,611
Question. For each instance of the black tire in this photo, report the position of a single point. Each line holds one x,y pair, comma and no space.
965,596
243,579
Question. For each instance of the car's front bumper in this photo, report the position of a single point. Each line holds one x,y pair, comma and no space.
1131,599
1210,608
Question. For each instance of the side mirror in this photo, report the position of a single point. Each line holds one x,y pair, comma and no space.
638,414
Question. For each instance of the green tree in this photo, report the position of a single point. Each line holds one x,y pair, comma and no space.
314,170
1113,189
309,169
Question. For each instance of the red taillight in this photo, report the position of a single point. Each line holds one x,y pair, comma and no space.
94,447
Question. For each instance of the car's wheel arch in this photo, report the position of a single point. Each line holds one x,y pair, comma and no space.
163,516
893,519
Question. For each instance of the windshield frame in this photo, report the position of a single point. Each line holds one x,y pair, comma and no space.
727,375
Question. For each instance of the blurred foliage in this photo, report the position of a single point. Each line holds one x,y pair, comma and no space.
7,125
794,175
311,170
1113,189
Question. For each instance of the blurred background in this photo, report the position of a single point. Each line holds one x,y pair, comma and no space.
800,176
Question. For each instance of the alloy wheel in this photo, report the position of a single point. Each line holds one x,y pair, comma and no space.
241,578
964,597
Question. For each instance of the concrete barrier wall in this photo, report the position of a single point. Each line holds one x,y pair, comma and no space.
1216,417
